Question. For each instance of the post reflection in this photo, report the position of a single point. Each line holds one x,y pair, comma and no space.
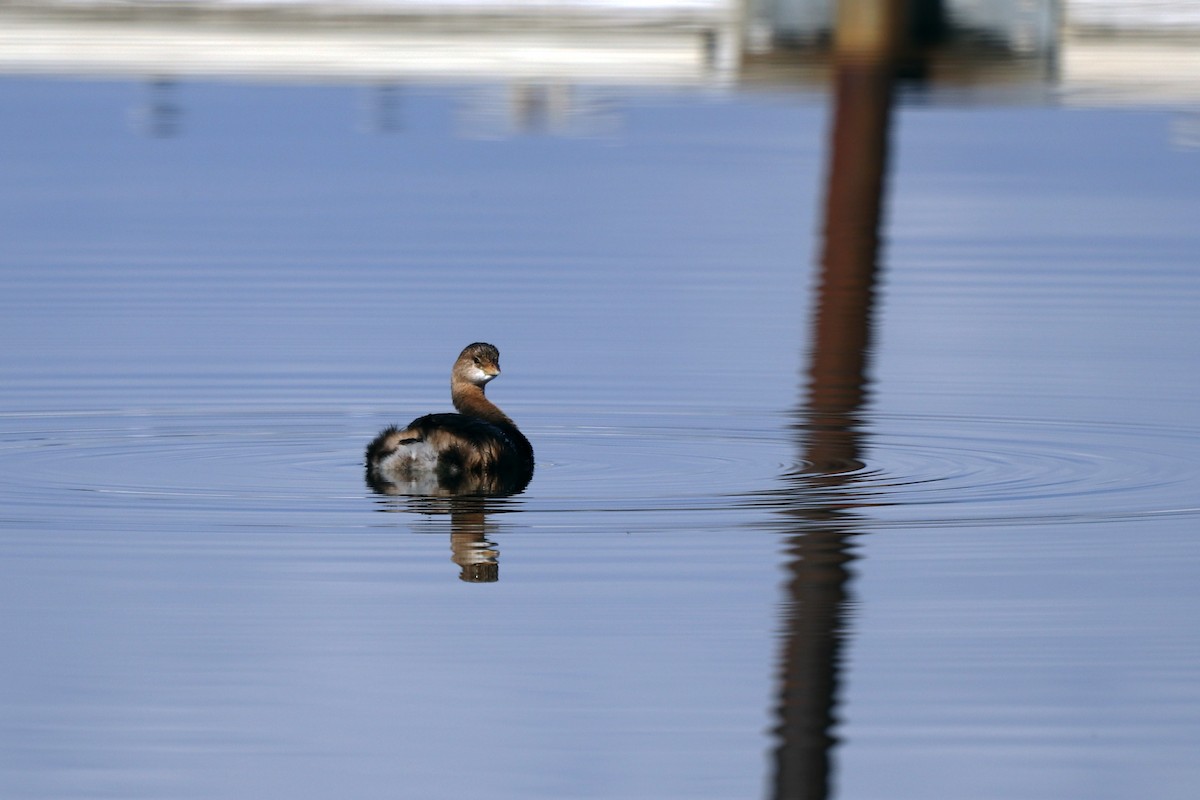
160,114
818,497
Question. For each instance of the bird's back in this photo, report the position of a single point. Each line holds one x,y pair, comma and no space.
464,454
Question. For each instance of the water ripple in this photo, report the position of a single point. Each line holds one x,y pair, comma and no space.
943,470
912,470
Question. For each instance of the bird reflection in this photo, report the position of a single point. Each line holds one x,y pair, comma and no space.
477,557
472,545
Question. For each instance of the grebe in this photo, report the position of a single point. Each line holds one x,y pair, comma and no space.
476,451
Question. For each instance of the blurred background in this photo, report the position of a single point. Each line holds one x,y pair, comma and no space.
1090,51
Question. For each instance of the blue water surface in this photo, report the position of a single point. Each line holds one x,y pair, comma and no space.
200,597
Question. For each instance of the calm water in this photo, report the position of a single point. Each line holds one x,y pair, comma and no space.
200,597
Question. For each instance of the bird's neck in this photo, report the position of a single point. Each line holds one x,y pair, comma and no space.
469,399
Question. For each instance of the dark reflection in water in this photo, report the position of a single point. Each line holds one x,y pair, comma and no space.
476,555
385,109
814,631
829,426
160,114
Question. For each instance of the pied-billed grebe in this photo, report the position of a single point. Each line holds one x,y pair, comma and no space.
476,451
